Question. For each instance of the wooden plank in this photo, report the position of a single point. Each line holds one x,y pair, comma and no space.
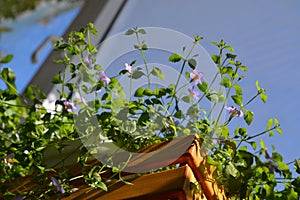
174,183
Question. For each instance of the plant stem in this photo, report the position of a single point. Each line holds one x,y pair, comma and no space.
144,58
258,93
264,132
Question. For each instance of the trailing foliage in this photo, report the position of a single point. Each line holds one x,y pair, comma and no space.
150,114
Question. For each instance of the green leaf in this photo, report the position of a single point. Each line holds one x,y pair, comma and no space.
74,50
238,89
228,70
292,195
139,92
254,145
297,165
248,116
242,132
215,43
107,97
212,96
192,63
30,93
187,99
136,74
156,101
231,170
221,98
210,161
215,58
9,76
283,167
57,79
225,131
98,67
148,92
262,144
263,97
279,130
226,82
132,63
230,56
142,31
269,124
244,68
175,57
157,72
144,118
6,59
202,86
257,85
276,122
144,46
102,186
122,72
179,114
229,48
237,99
129,32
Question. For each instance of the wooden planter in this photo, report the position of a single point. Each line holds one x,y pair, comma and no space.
167,184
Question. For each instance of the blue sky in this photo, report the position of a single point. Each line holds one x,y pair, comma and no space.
265,35
28,32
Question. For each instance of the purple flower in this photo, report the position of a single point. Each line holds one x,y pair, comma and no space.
267,156
88,61
69,106
234,111
196,76
193,93
104,78
57,185
128,68
80,99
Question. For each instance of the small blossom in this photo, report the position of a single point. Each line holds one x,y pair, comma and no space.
196,76
49,103
234,111
128,68
79,99
193,93
267,156
88,61
104,78
69,106
57,185
9,160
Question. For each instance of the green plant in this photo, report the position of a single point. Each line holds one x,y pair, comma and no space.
150,114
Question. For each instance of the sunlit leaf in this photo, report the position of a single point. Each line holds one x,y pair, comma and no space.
157,72
139,92
297,165
237,99
175,57
269,124
263,97
248,116
6,59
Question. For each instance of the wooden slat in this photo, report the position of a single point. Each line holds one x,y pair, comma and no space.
152,157
163,185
